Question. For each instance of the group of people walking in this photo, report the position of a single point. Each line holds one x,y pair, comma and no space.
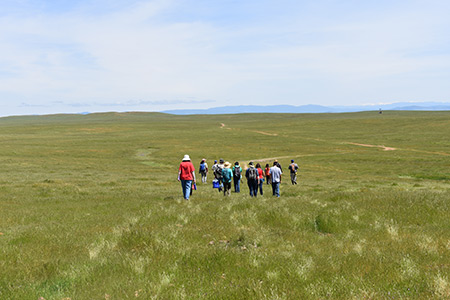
225,174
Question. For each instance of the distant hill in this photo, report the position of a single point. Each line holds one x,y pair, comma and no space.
428,106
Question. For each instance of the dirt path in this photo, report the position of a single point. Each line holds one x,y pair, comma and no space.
372,146
391,148
224,126
266,133
428,152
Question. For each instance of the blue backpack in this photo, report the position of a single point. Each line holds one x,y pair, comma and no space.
202,167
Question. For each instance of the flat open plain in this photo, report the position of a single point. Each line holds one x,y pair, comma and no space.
90,207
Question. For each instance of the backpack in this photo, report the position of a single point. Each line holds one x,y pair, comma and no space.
293,168
202,167
252,173
237,172
218,172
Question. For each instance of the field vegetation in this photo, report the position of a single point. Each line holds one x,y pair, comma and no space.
90,207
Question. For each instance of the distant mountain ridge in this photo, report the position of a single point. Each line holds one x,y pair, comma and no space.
310,108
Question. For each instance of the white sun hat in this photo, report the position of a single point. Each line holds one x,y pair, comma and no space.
186,158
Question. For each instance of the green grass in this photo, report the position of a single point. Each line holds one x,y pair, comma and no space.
90,208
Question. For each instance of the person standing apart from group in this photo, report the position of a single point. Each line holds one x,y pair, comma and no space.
275,174
227,176
252,179
186,174
237,176
293,167
203,170
260,178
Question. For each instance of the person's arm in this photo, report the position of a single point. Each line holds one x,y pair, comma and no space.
193,172
179,174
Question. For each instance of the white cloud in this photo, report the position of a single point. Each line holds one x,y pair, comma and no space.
149,50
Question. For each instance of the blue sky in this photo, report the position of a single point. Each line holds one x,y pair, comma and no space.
61,56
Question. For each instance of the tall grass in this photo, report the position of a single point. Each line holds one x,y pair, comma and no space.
90,208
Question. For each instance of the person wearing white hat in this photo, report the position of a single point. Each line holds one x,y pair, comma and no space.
186,174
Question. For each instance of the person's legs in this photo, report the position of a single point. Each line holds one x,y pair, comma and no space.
183,188
228,188
273,188
277,189
255,188
187,190
220,184
261,187
294,178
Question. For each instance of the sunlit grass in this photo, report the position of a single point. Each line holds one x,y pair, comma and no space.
90,208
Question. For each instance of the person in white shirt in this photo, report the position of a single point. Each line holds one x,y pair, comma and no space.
275,175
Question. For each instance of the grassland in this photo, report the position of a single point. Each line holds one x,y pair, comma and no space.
90,208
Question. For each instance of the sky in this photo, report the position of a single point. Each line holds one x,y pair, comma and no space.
72,56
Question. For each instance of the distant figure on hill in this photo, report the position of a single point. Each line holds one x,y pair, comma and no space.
186,174
237,176
275,174
260,178
267,173
203,170
293,167
252,179
227,176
